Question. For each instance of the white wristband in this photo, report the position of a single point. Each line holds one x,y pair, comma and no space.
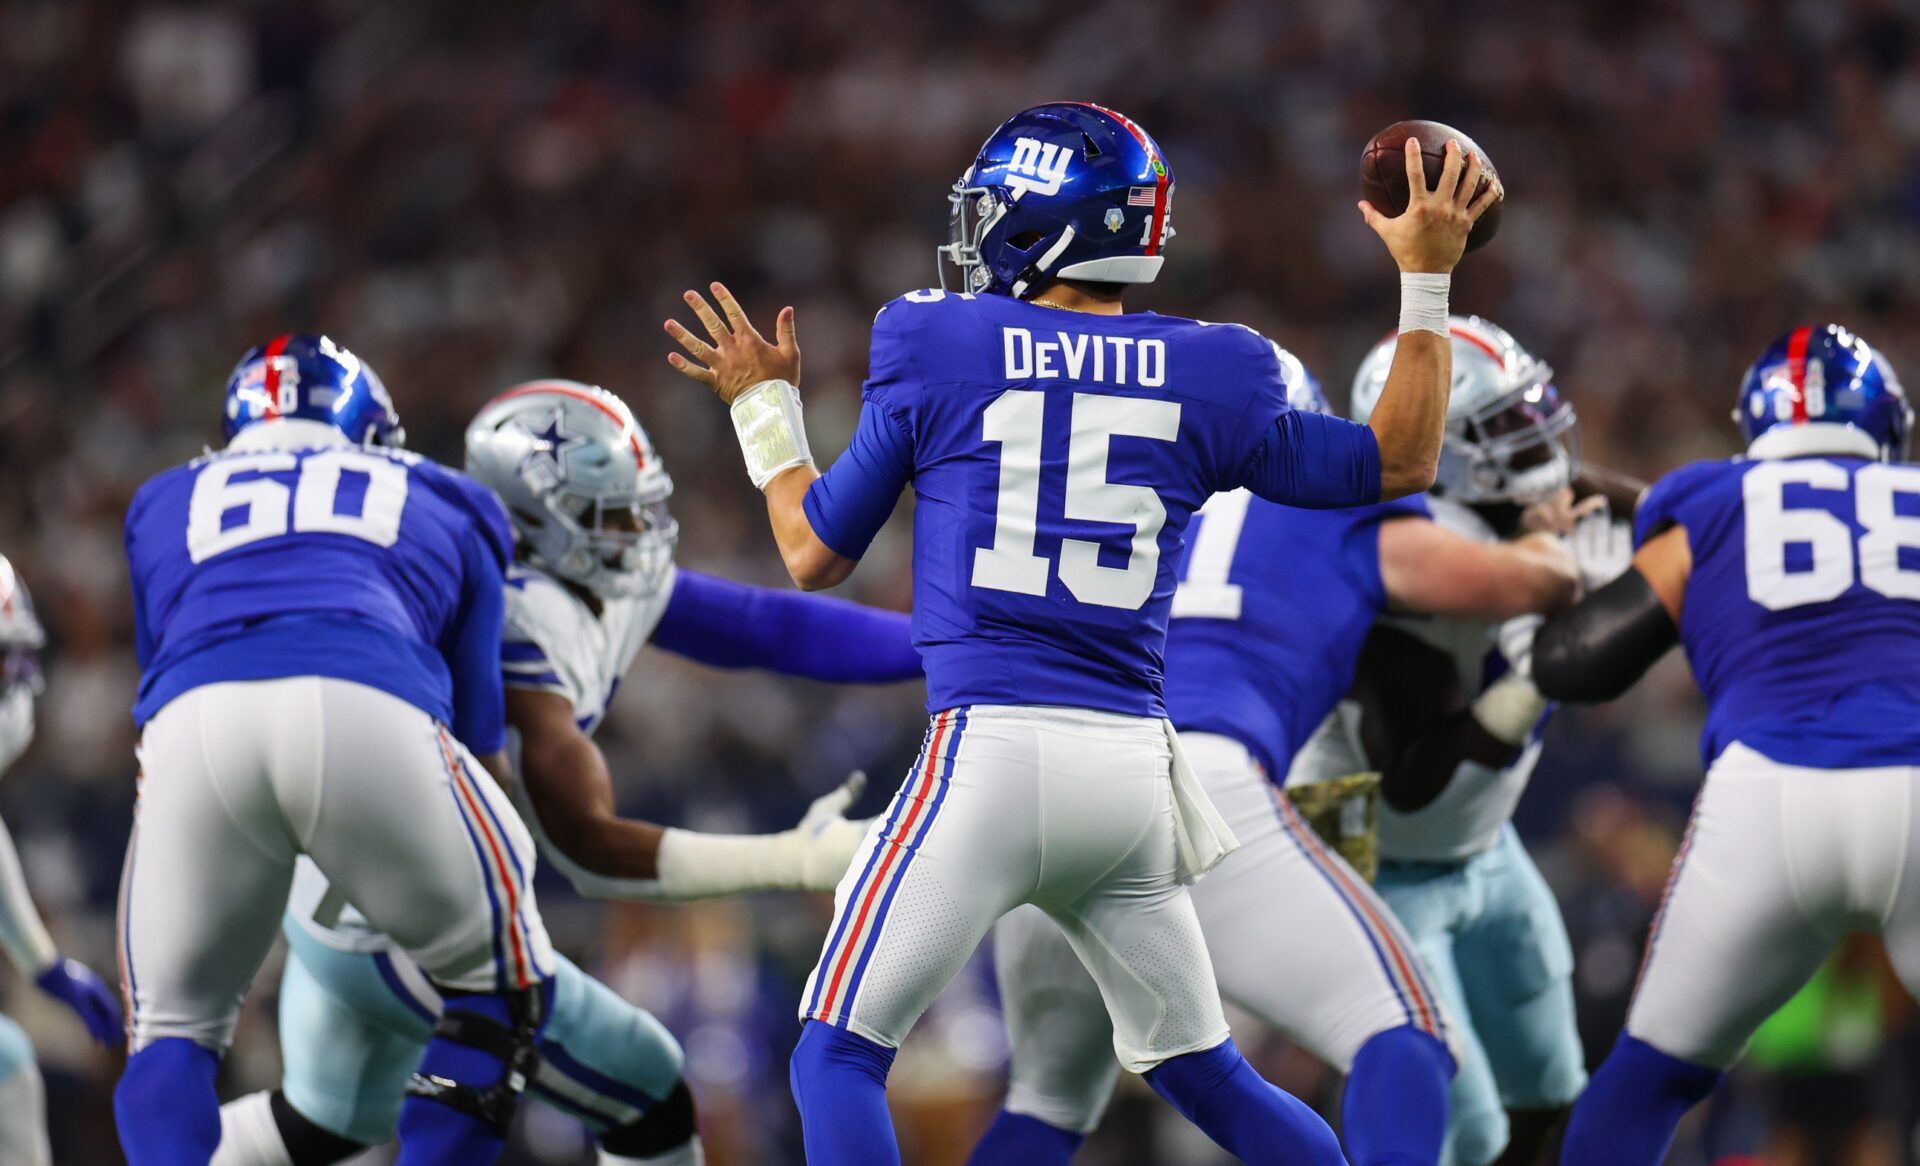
766,418
1423,301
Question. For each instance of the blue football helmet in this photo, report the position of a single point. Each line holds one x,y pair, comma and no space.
1824,376
1066,190
308,376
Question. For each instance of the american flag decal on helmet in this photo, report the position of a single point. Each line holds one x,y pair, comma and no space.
1140,196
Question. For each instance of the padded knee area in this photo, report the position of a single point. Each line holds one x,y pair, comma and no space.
16,1051
666,1126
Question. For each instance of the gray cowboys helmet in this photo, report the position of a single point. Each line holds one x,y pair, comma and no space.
587,492
1509,431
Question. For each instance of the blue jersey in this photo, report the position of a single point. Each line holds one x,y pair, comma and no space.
1801,617
1273,608
296,553
1056,458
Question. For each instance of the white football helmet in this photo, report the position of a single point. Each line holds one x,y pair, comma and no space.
582,482
1510,434
21,639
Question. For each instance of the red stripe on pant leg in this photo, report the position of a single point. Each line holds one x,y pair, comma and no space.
1383,933
485,829
1666,892
831,1001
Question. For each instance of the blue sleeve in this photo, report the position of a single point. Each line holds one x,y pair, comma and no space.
1660,508
731,625
1314,461
473,653
142,634
848,504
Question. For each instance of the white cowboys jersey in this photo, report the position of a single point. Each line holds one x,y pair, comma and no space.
553,642
1467,816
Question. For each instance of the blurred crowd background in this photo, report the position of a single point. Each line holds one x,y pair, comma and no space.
473,194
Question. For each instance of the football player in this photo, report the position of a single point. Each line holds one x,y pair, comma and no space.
23,1118
1058,449
1791,577
1456,749
593,582
317,615
1273,606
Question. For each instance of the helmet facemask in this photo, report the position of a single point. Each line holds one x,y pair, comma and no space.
972,212
1520,448
617,545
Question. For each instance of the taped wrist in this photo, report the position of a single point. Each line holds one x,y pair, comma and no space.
1509,708
1423,301
513,1045
698,866
766,419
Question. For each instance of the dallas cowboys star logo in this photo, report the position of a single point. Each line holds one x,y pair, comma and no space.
547,445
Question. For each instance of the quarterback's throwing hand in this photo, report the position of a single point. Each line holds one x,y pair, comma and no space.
738,357
1431,234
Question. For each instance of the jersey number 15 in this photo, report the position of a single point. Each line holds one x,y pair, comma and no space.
1772,528
316,494
1014,421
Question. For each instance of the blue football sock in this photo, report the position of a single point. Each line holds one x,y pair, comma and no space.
1395,1111
1632,1106
1016,1137
167,1110
840,1084
432,1132
1254,1121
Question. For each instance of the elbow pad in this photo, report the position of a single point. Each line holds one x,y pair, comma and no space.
1596,651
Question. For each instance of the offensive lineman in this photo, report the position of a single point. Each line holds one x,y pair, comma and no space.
1791,577
1272,609
594,581
1456,750
317,615
1057,450
23,1118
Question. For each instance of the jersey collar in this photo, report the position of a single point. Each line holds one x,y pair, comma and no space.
287,433
1814,439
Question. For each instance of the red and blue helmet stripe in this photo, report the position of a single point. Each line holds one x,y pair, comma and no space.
306,375
1825,374
1065,190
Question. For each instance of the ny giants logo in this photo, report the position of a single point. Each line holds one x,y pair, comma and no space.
1037,166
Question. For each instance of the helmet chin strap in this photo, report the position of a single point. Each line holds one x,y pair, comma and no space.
1815,439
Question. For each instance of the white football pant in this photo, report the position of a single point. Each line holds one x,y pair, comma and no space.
1297,938
1779,863
1066,809
239,779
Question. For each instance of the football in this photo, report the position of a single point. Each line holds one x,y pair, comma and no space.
1383,170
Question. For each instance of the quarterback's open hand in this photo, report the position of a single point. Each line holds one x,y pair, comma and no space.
739,357
831,838
1431,234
